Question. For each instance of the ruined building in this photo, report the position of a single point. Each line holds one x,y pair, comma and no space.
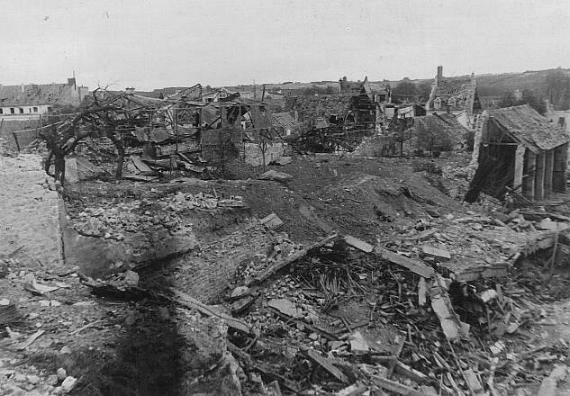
455,95
517,148
357,104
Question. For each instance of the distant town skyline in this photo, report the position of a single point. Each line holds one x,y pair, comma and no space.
150,44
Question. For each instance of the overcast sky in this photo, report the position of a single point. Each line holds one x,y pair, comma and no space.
152,44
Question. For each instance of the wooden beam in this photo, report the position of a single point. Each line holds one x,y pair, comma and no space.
327,365
396,387
528,183
539,177
519,166
416,266
559,168
188,301
548,173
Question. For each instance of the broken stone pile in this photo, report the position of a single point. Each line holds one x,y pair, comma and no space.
112,221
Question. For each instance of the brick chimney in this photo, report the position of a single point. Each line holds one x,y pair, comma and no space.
439,75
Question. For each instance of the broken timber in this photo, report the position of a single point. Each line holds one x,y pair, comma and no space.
187,301
327,365
473,382
415,266
452,327
396,387
358,244
289,260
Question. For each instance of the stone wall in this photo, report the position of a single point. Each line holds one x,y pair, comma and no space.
29,213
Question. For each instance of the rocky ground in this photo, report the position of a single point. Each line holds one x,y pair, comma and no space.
188,287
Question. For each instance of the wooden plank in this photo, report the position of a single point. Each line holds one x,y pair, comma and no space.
528,189
548,172
327,365
359,244
190,302
396,387
539,177
415,266
452,327
436,252
29,341
473,382
411,373
141,166
289,260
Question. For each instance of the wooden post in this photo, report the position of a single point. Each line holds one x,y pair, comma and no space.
559,168
548,171
528,186
539,178
519,167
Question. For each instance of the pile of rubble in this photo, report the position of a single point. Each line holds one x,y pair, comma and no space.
442,304
359,318
368,317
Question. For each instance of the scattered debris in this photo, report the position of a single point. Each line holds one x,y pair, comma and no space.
436,252
275,176
24,345
36,288
239,292
357,343
291,259
282,161
190,302
396,387
272,221
286,307
550,383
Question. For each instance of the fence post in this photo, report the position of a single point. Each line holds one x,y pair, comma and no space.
16,140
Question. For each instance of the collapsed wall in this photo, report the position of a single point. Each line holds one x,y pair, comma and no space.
310,107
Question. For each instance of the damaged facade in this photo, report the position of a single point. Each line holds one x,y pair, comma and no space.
454,95
518,149
286,124
437,132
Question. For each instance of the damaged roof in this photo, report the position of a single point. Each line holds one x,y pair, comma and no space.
437,131
440,123
34,94
528,127
284,120
462,87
